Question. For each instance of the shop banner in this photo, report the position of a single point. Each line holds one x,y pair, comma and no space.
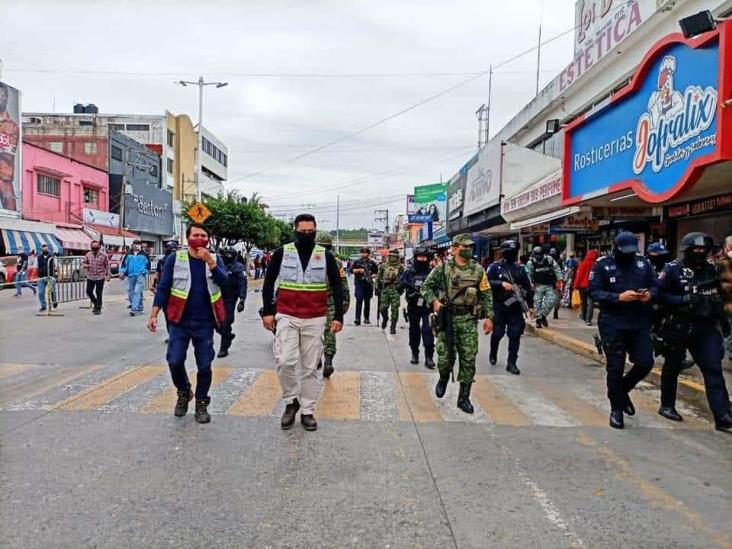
98,217
704,206
10,172
483,185
546,188
657,133
581,222
456,194
375,239
430,204
149,209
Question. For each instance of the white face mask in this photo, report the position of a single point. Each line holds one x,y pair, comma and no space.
729,254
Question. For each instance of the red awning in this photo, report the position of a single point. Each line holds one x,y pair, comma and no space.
102,229
112,236
73,239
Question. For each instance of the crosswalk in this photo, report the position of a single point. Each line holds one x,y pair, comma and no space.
349,395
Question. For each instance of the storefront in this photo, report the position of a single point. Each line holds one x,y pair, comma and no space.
662,146
20,235
148,212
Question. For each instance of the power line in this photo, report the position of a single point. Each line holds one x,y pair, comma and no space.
334,75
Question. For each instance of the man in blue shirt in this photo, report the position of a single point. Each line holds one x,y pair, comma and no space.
189,291
135,267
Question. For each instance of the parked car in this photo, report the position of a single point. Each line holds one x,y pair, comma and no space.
70,268
3,275
8,270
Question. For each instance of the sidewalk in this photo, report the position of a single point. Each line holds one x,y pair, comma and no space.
573,334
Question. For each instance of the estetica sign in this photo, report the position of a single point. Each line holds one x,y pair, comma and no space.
657,134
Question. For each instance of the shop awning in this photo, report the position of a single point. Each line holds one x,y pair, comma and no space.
112,236
497,230
24,241
544,218
73,239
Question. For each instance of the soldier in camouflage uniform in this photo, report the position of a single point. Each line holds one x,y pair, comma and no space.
462,285
329,338
390,271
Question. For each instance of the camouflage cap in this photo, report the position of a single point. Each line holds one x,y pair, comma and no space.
324,239
394,252
462,240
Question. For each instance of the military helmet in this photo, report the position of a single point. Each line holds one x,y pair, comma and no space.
171,245
508,245
324,239
365,250
228,253
421,250
696,240
538,250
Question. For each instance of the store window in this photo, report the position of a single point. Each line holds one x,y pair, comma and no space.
116,153
56,146
90,148
46,184
170,165
171,139
91,196
138,127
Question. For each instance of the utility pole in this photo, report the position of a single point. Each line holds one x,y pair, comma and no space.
382,215
538,49
199,153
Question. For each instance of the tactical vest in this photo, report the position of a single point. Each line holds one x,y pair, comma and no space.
391,273
182,287
303,294
463,287
544,272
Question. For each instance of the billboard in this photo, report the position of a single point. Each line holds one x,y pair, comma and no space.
483,185
430,204
10,170
98,217
657,133
375,239
149,209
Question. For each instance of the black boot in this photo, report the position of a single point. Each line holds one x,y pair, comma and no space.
616,419
223,352
202,415
328,366
511,368
428,359
441,386
392,330
415,357
288,417
181,406
384,322
629,408
556,314
669,412
309,422
357,322
464,398
493,357
724,423
544,322
365,321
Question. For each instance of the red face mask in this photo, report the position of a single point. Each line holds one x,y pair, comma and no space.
198,242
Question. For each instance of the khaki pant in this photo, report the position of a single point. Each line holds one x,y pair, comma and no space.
298,346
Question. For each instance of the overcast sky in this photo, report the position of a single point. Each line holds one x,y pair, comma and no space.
301,73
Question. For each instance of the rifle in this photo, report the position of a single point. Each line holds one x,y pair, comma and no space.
518,294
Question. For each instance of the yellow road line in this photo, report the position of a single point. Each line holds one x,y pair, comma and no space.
647,404
165,401
341,398
29,389
584,412
496,405
261,398
625,471
11,369
418,398
107,390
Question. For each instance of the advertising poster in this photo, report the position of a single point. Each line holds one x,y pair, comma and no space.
10,172
430,204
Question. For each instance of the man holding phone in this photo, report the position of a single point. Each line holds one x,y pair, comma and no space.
623,284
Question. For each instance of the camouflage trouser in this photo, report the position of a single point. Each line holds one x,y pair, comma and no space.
465,332
390,300
329,338
544,299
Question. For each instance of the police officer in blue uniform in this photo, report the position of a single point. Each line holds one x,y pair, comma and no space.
507,309
418,312
691,290
235,290
624,284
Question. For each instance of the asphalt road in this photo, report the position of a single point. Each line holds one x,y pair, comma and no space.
91,455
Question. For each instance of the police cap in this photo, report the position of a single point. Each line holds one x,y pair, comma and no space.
365,250
657,248
627,242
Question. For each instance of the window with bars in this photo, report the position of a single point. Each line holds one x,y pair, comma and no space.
91,196
46,184
138,127
90,148
171,139
116,153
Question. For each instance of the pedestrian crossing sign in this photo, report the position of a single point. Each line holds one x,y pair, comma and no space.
199,212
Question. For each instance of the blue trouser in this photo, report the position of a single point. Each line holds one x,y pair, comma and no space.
621,337
419,328
42,283
364,294
201,334
507,321
706,348
21,281
135,287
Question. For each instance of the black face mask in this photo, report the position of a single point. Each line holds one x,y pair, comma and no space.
695,260
657,261
306,239
509,256
538,257
624,259
95,249
45,252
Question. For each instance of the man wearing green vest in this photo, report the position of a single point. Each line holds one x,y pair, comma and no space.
390,272
189,291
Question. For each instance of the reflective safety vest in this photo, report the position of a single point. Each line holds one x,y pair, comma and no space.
303,294
182,287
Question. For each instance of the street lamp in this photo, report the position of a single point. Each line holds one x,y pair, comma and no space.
200,83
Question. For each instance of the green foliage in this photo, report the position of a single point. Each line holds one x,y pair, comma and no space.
236,219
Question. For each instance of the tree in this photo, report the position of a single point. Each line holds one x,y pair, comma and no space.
236,219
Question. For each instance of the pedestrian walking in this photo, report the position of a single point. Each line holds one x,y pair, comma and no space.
235,296
189,291
624,285
364,271
305,272
135,267
47,275
691,290
21,275
257,267
512,299
546,275
724,263
582,284
418,309
98,272
386,288
329,337
459,293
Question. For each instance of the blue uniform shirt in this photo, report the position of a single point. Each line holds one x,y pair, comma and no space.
500,272
609,279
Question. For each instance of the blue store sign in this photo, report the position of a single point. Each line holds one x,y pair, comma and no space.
655,135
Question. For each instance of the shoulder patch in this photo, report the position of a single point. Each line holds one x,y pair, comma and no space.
484,283
343,272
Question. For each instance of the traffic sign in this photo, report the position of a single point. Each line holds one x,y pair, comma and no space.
199,212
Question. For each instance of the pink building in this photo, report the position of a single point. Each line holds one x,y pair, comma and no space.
57,189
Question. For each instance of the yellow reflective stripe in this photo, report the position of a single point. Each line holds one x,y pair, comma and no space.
304,287
178,293
215,297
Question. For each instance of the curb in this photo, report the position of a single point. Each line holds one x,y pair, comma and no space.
689,388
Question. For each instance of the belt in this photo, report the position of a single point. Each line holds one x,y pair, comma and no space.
462,310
